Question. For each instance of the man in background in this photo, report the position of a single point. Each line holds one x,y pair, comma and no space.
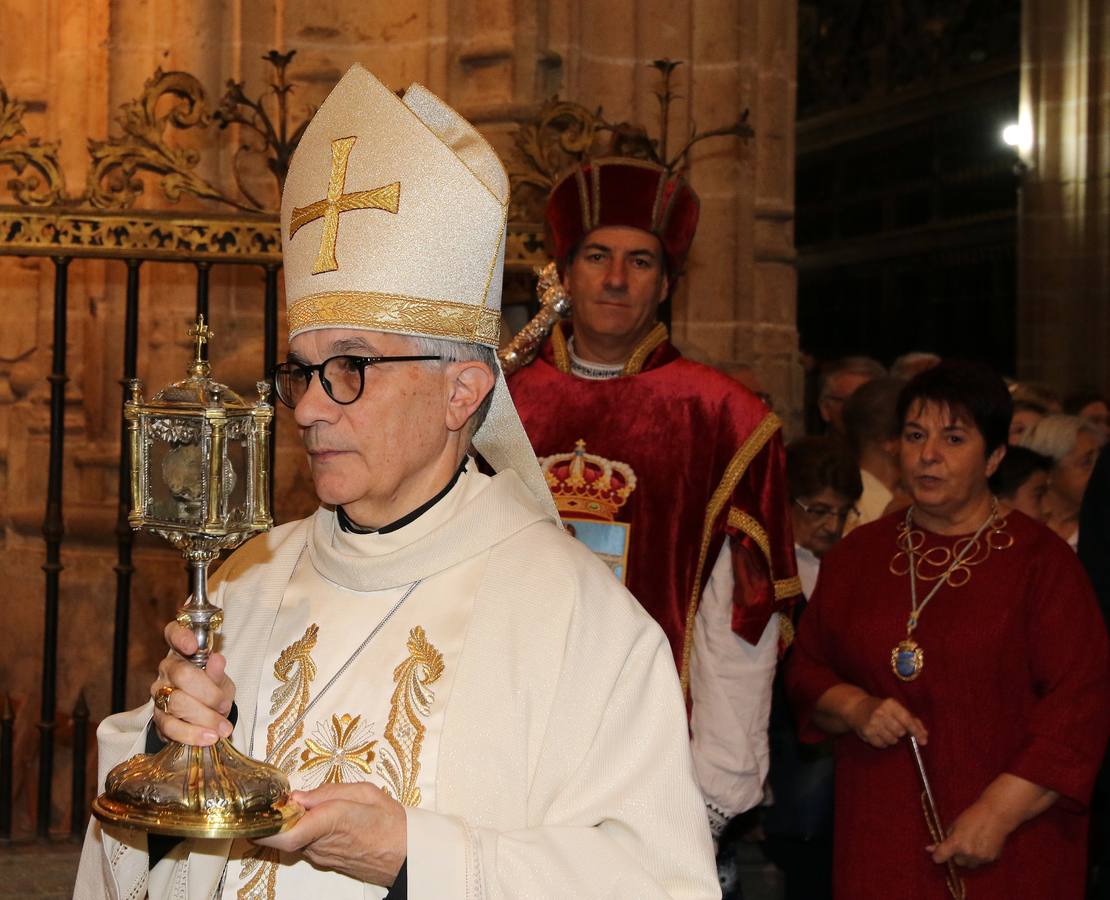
872,429
668,469
839,380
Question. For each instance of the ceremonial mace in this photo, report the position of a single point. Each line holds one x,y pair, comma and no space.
953,880
200,475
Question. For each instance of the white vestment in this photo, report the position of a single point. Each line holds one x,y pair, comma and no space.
518,701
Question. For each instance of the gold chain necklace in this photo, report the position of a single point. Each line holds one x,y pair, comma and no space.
942,565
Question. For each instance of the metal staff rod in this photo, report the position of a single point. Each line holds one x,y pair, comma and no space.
936,825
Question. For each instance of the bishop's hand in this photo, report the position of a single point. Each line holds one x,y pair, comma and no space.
191,704
355,829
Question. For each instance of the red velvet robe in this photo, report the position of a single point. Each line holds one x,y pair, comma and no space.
1015,679
707,464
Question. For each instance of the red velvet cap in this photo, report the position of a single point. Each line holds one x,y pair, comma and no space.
622,191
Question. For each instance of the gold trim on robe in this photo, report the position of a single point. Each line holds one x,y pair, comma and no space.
735,470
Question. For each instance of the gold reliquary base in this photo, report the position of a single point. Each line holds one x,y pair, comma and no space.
197,792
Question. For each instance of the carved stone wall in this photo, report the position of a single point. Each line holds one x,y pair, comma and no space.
77,61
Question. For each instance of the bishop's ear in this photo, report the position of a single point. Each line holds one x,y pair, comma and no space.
468,383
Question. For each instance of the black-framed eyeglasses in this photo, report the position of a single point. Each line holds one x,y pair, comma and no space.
342,377
820,513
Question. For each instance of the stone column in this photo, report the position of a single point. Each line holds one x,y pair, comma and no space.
1064,250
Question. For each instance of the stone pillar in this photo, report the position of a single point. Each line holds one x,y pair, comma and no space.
1064,250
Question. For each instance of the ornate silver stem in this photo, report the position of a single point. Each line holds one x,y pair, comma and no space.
197,612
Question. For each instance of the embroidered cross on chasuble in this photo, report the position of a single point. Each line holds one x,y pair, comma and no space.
387,198
379,722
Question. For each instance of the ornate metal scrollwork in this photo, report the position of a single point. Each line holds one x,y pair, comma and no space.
278,143
564,133
45,184
113,181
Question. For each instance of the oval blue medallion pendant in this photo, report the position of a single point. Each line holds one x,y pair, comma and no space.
907,660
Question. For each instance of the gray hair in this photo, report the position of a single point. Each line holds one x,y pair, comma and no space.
909,364
450,351
1055,436
854,365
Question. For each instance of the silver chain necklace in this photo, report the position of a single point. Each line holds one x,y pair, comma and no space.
334,678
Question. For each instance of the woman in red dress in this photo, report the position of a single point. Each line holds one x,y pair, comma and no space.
973,629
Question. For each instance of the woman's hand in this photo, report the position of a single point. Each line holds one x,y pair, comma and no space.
979,833
976,837
197,708
883,723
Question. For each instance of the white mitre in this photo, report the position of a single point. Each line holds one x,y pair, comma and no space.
393,218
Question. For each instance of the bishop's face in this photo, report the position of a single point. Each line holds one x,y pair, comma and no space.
369,455
616,282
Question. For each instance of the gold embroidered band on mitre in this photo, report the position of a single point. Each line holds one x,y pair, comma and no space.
391,312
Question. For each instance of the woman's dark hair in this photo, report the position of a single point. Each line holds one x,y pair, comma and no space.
816,463
972,390
1017,467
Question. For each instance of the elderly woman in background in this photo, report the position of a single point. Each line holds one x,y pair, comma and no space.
825,485
974,631
1072,443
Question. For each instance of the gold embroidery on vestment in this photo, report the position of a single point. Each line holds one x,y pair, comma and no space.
260,869
786,630
644,349
747,524
559,349
735,470
399,762
788,587
338,753
387,198
394,312
295,672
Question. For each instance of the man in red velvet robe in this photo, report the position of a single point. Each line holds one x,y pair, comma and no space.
670,471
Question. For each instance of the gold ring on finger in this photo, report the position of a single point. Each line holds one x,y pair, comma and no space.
162,697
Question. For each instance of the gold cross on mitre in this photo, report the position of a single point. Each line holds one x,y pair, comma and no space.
387,198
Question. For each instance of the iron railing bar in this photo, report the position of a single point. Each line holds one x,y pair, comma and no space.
53,530
7,727
78,814
125,539
204,268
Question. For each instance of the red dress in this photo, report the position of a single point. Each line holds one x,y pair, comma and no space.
1015,679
